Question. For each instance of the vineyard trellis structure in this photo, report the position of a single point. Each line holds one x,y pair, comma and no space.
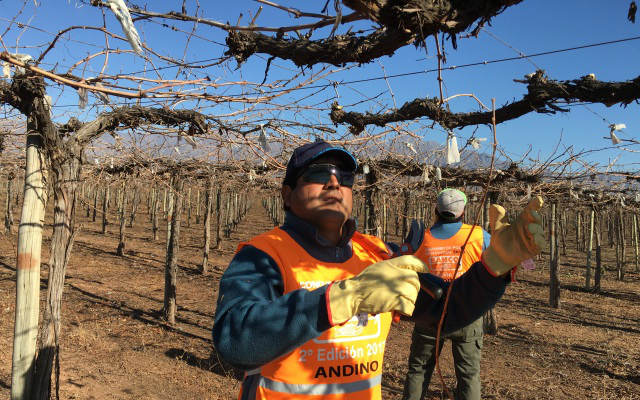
135,162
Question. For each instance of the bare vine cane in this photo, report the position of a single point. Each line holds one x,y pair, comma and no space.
475,223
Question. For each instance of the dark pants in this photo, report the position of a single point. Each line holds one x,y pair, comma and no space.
466,344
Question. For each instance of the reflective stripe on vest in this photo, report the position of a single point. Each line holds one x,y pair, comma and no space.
344,361
441,255
319,389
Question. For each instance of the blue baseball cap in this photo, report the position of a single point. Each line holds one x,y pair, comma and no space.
305,154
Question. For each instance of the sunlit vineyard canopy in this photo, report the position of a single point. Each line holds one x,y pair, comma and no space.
393,81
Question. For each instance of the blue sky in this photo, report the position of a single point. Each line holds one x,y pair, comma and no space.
530,27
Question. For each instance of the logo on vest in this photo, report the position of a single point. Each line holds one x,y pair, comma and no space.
359,327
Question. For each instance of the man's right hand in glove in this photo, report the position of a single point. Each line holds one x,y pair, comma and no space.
389,285
512,244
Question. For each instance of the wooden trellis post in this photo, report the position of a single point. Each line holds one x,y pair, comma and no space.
105,209
218,219
171,264
95,203
371,218
635,239
384,218
621,245
589,249
123,216
579,230
188,207
154,214
562,225
554,257
405,214
207,224
598,272
134,206
198,206
8,216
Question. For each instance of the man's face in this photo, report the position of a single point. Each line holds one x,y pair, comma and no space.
320,203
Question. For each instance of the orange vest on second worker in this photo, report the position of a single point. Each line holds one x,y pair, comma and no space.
345,362
441,255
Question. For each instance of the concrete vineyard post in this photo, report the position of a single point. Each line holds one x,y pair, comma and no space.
28,267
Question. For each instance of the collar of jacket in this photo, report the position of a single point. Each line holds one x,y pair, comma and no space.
307,236
445,230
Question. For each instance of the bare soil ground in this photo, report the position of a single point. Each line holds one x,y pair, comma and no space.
114,344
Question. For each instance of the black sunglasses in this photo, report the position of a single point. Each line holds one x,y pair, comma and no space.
321,173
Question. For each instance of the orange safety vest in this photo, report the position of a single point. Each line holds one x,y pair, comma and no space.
441,255
344,362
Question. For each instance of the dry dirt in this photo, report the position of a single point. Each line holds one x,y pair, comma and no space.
115,346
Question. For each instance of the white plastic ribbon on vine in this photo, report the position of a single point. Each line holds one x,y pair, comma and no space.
262,140
83,98
453,155
613,128
189,139
410,146
47,102
122,13
438,176
425,174
475,142
24,58
6,70
365,169
102,96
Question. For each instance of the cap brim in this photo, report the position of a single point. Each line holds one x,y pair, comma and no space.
344,154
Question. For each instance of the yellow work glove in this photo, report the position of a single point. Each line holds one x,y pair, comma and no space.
389,285
512,244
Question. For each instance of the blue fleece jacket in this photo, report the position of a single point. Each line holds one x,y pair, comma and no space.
256,323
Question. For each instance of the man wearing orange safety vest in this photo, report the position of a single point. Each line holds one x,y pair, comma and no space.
305,308
440,248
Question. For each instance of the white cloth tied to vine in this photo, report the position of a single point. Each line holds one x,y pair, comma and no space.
122,13
453,155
